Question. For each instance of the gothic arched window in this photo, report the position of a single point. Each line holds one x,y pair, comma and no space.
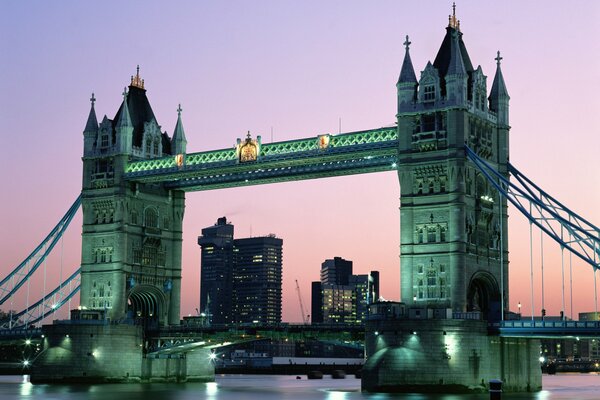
151,218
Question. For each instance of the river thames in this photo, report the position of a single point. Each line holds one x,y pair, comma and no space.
264,387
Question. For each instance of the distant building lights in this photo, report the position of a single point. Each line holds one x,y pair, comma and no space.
376,333
28,341
394,165
26,363
542,359
212,356
67,335
414,332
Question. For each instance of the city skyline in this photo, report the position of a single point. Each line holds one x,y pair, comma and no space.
297,69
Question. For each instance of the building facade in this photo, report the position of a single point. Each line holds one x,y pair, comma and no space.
216,271
453,223
257,280
340,296
240,278
132,232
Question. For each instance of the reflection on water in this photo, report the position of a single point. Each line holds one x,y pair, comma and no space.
260,387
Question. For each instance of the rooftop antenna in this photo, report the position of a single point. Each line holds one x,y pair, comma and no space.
340,125
271,134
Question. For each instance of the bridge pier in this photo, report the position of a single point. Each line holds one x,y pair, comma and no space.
101,352
446,355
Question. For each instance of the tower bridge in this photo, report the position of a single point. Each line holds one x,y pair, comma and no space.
450,149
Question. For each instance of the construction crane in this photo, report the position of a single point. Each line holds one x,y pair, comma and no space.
304,316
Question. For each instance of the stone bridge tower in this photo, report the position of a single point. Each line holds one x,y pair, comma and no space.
451,223
132,232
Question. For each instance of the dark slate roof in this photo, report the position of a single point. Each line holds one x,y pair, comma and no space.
407,73
498,87
92,123
442,60
139,111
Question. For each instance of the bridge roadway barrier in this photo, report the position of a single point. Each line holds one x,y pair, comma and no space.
112,353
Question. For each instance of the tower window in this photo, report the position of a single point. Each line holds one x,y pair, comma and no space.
104,141
429,93
148,146
431,236
156,148
151,218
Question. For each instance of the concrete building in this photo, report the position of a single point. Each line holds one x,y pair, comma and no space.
336,271
257,280
341,297
216,271
240,278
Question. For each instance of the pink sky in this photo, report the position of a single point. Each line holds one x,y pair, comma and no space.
296,67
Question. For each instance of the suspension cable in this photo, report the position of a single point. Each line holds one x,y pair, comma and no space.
571,275
531,262
542,262
562,263
501,257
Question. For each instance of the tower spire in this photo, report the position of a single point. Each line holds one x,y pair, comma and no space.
179,141
124,118
407,73
92,122
453,22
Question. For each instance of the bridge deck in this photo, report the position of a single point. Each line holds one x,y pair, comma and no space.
345,154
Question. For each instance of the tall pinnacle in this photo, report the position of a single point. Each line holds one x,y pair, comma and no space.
456,66
92,122
179,141
407,73
124,118
498,87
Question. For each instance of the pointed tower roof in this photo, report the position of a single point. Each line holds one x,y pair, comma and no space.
92,122
456,65
498,87
139,107
442,59
124,119
179,133
407,73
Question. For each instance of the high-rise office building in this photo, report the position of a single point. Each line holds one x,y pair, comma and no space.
216,263
336,271
240,278
257,279
340,297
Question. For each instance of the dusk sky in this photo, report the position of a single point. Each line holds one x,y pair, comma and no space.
296,68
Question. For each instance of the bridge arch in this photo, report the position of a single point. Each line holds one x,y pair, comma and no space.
483,294
146,304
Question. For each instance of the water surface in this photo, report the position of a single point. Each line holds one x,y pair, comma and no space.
266,387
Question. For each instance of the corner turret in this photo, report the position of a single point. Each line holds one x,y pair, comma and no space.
179,141
499,97
91,130
124,128
407,82
456,76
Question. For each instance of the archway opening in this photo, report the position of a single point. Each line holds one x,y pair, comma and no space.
483,296
145,305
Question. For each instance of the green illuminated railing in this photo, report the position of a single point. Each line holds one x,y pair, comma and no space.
267,150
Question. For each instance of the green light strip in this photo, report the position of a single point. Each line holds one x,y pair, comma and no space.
271,149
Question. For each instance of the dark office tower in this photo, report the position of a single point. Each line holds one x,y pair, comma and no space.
257,280
316,303
216,264
373,286
336,271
